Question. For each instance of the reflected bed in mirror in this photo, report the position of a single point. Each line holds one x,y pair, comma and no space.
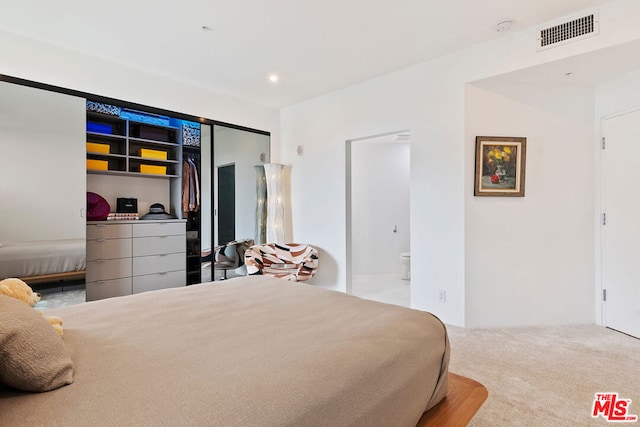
44,260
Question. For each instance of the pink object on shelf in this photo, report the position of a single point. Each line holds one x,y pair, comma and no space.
97,207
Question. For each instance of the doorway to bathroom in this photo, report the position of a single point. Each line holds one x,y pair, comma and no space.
378,220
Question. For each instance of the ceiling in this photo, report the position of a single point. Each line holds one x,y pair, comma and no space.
588,69
314,47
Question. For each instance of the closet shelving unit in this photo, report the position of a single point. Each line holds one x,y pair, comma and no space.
125,138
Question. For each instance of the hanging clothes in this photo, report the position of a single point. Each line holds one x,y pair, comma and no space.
194,188
186,167
190,186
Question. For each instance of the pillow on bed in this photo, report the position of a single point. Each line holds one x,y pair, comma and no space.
32,355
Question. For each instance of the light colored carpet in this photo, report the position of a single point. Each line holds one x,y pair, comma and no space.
61,299
546,376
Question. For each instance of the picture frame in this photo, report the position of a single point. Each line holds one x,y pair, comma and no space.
500,166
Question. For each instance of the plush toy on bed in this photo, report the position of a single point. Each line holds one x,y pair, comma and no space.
17,289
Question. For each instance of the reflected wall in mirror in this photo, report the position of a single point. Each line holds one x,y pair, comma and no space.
43,185
236,152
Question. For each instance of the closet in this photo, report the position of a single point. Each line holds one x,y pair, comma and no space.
154,160
71,143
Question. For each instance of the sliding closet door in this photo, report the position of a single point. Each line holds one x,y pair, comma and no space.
42,164
236,153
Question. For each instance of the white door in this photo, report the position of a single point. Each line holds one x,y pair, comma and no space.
621,232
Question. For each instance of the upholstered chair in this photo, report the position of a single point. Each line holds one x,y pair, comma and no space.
291,261
230,256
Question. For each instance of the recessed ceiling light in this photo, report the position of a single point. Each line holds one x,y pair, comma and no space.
273,78
504,26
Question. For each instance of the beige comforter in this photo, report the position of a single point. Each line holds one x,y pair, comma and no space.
252,351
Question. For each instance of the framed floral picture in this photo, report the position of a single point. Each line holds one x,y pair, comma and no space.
500,164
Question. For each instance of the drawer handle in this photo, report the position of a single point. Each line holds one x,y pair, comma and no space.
164,272
99,260
100,282
100,240
162,237
101,225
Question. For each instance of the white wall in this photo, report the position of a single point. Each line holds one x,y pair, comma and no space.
380,200
41,62
618,95
429,99
529,260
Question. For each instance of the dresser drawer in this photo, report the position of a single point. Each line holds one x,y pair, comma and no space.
151,282
108,249
108,288
108,231
143,246
105,269
159,263
159,229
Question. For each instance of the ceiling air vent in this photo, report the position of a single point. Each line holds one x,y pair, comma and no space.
576,29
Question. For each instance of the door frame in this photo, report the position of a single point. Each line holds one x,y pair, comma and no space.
600,303
349,207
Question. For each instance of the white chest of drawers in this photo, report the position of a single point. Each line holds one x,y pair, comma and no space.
128,257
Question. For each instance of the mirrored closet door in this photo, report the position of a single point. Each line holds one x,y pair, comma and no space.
232,189
43,185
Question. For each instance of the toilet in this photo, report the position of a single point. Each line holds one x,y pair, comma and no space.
405,265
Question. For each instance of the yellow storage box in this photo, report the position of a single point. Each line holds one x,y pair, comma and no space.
153,154
153,169
94,147
99,165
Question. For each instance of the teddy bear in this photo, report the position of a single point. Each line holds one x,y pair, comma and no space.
18,289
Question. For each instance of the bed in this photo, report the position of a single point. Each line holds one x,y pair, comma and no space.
249,351
43,260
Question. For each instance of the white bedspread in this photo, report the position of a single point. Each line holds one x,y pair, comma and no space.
42,257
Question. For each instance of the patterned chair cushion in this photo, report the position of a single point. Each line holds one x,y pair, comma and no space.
291,261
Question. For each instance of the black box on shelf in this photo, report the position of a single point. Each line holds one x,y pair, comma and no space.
127,205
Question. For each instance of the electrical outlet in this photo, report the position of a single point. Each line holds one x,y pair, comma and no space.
442,296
